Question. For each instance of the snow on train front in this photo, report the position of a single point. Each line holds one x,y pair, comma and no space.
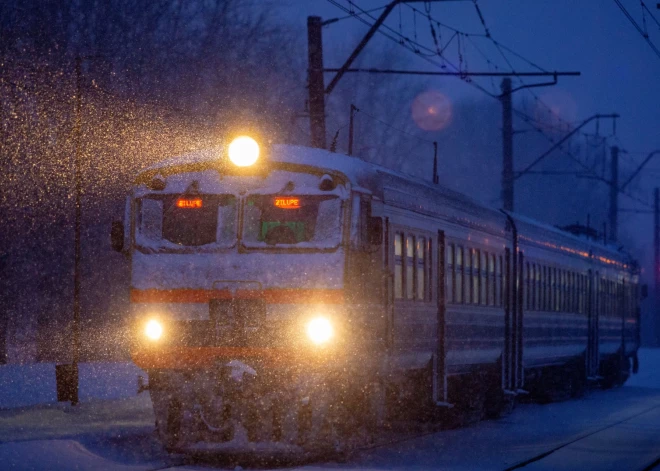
237,287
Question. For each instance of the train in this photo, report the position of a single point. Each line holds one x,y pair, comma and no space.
287,298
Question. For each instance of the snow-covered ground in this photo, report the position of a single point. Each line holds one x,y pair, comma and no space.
34,383
112,429
649,369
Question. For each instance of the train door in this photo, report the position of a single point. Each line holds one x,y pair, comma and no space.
592,324
388,289
512,364
439,358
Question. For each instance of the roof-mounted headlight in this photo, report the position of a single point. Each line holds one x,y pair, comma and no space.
243,151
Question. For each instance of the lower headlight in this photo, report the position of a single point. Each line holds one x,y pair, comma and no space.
153,330
319,330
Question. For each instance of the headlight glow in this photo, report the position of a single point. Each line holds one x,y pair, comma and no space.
153,329
319,330
243,151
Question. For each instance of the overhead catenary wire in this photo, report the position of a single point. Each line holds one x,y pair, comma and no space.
352,15
638,27
427,54
644,7
415,47
395,128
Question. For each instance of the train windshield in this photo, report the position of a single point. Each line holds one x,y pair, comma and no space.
172,221
302,221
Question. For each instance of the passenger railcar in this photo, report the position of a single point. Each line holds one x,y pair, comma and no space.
308,297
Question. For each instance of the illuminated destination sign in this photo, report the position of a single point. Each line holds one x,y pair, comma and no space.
189,203
287,202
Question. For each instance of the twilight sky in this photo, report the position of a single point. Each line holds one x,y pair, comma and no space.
620,71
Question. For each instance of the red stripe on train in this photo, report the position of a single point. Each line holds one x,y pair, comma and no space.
200,357
271,296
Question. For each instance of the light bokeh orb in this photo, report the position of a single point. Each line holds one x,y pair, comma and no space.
431,110
556,111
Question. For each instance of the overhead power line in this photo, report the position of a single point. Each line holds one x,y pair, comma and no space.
638,27
428,54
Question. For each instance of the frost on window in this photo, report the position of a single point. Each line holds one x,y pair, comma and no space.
151,219
178,221
327,222
226,231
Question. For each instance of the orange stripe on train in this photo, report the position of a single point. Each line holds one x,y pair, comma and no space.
271,296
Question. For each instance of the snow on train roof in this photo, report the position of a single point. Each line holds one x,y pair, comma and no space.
349,166
359,171
355,169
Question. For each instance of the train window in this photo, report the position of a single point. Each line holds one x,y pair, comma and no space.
580,291
459,274
562,290
606,297
421,268
316,221
561,274
150,219
557,288
548,289
575,292
429,283
584,294
526,286
211,219
467,276
476,278
449,274
550,301
535,287
491,279
543,288
553,289
569,292
499,286
398,265
531,287
410,264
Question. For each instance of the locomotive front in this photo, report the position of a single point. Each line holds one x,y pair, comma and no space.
237,288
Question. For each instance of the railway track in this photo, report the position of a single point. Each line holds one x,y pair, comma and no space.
397,437
582,437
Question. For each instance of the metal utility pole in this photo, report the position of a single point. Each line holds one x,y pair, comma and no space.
351,122
77,239
614,195
507,146
315,83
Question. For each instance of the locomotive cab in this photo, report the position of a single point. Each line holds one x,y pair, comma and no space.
246,271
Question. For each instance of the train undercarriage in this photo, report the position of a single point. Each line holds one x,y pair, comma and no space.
235,407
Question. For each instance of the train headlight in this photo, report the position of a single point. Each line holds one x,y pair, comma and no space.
320,330
243,151
153,330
